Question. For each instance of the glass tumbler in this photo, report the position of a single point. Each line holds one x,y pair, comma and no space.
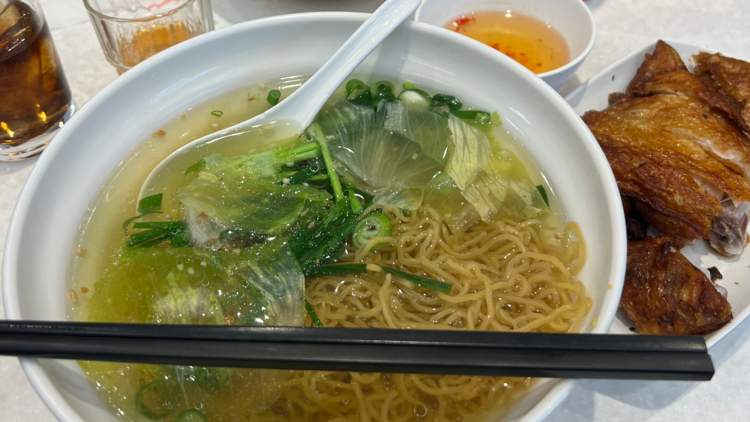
35,98
130,31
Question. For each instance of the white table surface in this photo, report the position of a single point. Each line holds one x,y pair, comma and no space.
623,26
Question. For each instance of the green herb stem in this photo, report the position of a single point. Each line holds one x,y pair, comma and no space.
332,176
313,316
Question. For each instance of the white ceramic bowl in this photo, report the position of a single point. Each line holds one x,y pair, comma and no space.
571,17
72,170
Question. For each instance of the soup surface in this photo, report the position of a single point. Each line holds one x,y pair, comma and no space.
391,211
529,41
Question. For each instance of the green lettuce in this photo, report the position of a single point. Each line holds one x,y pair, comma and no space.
258,285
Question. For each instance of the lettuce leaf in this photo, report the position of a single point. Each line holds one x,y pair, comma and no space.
215,204
261,285
388,148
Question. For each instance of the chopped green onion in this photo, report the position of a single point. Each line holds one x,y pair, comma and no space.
150,204
200,165
322,252
382,90
437,286
408,85
305,175
358,92
354,84
543,192
364,195
469,114
372,226
356,205
450,100
153,400
131,219
313,316
191,415
157,232
217,113
148,236
273,96
166,225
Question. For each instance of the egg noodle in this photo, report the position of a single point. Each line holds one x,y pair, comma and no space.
504,275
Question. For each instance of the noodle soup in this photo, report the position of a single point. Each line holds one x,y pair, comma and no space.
397,208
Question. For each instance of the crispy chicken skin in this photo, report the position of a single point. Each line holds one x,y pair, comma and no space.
682,82
665,194
728,75
679,126
665,294
664,59
680,132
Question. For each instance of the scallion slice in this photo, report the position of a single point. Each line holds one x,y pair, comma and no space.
150,203
543,192
153,400
217,113
273,96
372,226
191,415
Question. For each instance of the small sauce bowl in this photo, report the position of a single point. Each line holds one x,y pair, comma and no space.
571,18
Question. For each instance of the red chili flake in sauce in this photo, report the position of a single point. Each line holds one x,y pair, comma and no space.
462,21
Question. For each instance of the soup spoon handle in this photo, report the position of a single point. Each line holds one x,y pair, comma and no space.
306,102
297,111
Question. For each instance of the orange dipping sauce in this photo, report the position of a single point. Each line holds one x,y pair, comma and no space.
526,39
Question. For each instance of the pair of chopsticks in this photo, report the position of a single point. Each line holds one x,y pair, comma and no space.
367,350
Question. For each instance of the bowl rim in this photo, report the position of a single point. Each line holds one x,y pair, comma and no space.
46,387
573,63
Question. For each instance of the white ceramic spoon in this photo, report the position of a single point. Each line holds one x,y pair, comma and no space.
300,108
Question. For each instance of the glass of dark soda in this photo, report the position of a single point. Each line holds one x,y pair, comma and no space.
35,99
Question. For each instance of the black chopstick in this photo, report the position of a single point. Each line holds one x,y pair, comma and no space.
367,350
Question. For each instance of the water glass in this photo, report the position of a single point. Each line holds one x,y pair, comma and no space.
131,31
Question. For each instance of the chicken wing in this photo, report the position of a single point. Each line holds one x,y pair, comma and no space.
665,294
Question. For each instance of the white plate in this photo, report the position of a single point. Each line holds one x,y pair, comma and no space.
592,95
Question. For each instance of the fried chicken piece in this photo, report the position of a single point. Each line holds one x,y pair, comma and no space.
685,83
680,132
664,59
667,197
729,75
665,294
681,126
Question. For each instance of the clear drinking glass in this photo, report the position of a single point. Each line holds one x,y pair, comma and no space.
35,99
130,31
